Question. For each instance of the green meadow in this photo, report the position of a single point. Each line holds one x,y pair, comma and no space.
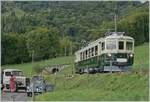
131,86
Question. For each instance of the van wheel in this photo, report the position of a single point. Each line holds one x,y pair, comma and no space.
16,87
29,94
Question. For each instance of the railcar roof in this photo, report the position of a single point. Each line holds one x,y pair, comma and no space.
119,36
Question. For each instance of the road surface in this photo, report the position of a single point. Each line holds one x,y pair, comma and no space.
19,96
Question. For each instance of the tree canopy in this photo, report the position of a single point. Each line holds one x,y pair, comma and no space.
57,28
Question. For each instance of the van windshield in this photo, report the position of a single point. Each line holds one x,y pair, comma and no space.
7,73
17,73
37,79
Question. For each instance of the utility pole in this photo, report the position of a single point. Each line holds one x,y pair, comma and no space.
115,19
72,58
72,64
111,64
33,97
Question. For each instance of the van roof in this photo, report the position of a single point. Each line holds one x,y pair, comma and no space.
9,70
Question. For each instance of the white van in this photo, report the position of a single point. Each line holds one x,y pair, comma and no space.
20,80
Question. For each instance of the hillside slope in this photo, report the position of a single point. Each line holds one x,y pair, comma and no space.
132,86
106,86
98,87
27,68
141,56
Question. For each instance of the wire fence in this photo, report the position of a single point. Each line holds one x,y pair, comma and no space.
68,79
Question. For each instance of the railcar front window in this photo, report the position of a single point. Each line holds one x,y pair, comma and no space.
110,45
129,45
121,45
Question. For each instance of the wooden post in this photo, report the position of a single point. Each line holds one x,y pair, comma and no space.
141,67
64,81
88,80
65,51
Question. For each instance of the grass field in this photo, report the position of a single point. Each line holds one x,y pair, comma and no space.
98,87
131,86
27,67
141,56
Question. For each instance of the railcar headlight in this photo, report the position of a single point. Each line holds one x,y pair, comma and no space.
37,89
109,54
131,55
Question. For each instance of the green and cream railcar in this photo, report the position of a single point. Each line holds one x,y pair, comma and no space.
112,53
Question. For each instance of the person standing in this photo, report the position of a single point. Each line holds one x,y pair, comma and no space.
12,84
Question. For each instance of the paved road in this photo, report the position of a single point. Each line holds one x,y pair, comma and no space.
19,96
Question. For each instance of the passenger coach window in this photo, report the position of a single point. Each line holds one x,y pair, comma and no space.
129,45
121,45
110,45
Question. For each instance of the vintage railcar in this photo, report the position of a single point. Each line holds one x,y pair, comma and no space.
114,52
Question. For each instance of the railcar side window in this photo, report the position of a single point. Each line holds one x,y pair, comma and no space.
129,45
96,50
121,45
86,54
89,53
103,45
81,56
110,45
92,51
